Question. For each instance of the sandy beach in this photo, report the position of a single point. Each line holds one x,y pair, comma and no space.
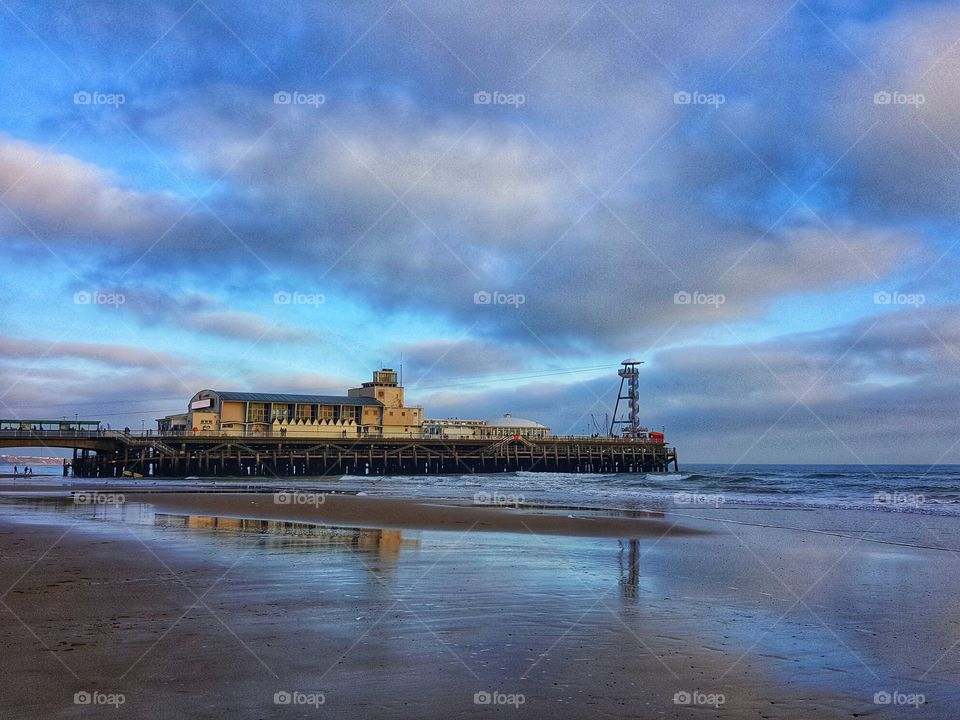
195,605
395,513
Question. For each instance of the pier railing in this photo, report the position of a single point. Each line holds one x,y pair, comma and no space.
136,437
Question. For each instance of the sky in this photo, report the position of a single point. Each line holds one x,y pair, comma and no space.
759,200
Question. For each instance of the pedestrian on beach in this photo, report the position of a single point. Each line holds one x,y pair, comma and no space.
15,470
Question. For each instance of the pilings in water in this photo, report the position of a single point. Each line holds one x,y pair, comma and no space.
286,457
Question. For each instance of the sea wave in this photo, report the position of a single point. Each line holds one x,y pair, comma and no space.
899,489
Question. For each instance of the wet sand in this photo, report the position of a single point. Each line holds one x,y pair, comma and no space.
188,610
406,513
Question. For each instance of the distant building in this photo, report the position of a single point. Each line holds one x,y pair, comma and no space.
374,408
506,426
452,428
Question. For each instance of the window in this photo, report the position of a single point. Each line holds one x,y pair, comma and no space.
281,412
257,412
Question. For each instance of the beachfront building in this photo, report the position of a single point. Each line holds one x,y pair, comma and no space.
453,428
396,419
250,413
374,408
501,427
510,426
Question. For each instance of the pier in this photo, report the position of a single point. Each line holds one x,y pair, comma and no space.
99,453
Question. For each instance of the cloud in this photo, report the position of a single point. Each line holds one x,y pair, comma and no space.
131,395
55,194
427,362
245,326
300,382
107,354
493,208
903,105
203,313
503,199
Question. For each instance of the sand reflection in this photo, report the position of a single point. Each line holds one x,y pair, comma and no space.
629,559
385,543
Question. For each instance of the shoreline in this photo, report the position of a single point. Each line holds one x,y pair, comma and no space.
403,513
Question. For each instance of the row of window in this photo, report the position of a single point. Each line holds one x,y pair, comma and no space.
267,412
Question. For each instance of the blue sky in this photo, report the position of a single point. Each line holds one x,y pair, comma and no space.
759,200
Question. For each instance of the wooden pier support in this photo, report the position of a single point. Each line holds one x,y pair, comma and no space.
178,455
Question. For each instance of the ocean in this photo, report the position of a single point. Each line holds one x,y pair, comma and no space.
883,488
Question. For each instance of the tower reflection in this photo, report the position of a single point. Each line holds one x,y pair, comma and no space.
629,559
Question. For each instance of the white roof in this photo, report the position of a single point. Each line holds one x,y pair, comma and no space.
509,420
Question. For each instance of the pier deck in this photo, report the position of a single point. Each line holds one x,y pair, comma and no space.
111,453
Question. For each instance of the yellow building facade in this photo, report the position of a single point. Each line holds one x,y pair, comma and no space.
397,418
375,408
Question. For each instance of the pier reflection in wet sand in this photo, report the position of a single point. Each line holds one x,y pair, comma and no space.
386,543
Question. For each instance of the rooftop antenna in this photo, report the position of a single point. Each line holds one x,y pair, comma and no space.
629,373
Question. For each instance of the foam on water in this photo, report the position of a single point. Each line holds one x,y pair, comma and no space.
654,477
880,488
904,489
